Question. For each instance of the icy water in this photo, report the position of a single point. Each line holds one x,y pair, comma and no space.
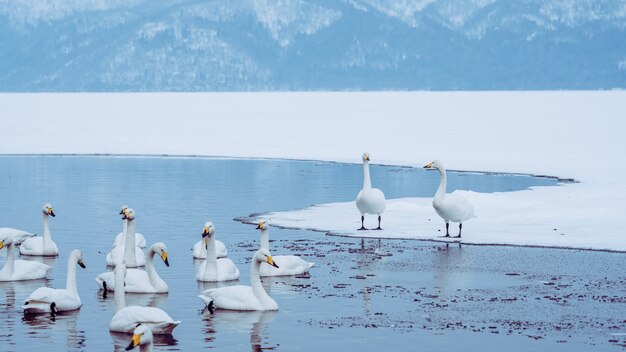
361,295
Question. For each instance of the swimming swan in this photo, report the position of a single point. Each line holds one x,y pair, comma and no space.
214,269
44,245
127,318
142,337
51,300
369,200
200,248
450,207
241,297
131,255
289,264
137,280
17,270
120,239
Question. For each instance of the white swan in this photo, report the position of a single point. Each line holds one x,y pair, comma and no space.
51,300
450,207
120,239
241,297
289,264
214,269
17,270
142,337
44,245
127,318
17,236
137,280
129,254
200,248
369,200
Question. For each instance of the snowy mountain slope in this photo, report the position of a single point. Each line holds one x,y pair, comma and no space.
242,45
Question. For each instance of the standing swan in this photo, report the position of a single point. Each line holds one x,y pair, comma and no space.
369,200
450,207
16,270
137,280
214,269
142,337
127,318
289,264
51,300
241,297
129,254
120,239
44,245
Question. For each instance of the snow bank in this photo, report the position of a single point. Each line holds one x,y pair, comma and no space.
576,135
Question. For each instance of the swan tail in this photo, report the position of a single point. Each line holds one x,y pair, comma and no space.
310,265
164,328
35,307
206,300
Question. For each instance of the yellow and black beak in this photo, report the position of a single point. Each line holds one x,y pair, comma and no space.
1,244
124,216
270,261
122,211
50,212
260,226
428,166
205,232
134,342
164,258
82,265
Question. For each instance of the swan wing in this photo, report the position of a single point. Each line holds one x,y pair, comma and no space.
137,281
288,265
227,270
455,208
126,319
199,250
120,240
17,236
29,270
371,201
237,297
116,256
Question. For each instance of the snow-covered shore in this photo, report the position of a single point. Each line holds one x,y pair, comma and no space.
576,135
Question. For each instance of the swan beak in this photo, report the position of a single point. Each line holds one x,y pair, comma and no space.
122,211
1,244
258,227
50,212
134,342
124,216
271,262
82,265
205,232
164,258
430,165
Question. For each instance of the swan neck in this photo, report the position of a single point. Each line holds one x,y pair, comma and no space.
10,264
70,284
124,226
153,276
257,286
367,182
46,230
145,348
210,268
119,294
265,240
441,191
129,245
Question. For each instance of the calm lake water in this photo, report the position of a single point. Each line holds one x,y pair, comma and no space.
360,296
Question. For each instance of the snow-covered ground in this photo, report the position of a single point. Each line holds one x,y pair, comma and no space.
578,135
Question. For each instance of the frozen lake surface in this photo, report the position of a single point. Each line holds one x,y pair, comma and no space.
360,296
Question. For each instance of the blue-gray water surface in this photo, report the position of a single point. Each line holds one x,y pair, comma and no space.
360,295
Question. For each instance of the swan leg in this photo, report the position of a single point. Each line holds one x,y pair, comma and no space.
362,219
460,227
447,227
378,228
53,309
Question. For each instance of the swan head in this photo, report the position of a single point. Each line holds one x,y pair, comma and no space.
123,210
208,230
264,256
263,225
160,249
78,256
434,165
129,214
142,335
5,242
366,156
47,209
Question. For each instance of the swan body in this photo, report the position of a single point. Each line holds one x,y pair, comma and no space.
214,269
243,298
44,245
16,236
129,254
51,300
137,280
199,250
127,318
289,265
369,200
142,337
450,207
18,270
120,239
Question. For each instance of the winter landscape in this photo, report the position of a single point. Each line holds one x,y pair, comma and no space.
217,128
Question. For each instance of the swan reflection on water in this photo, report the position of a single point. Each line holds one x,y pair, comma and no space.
120,340
253,321
46,326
